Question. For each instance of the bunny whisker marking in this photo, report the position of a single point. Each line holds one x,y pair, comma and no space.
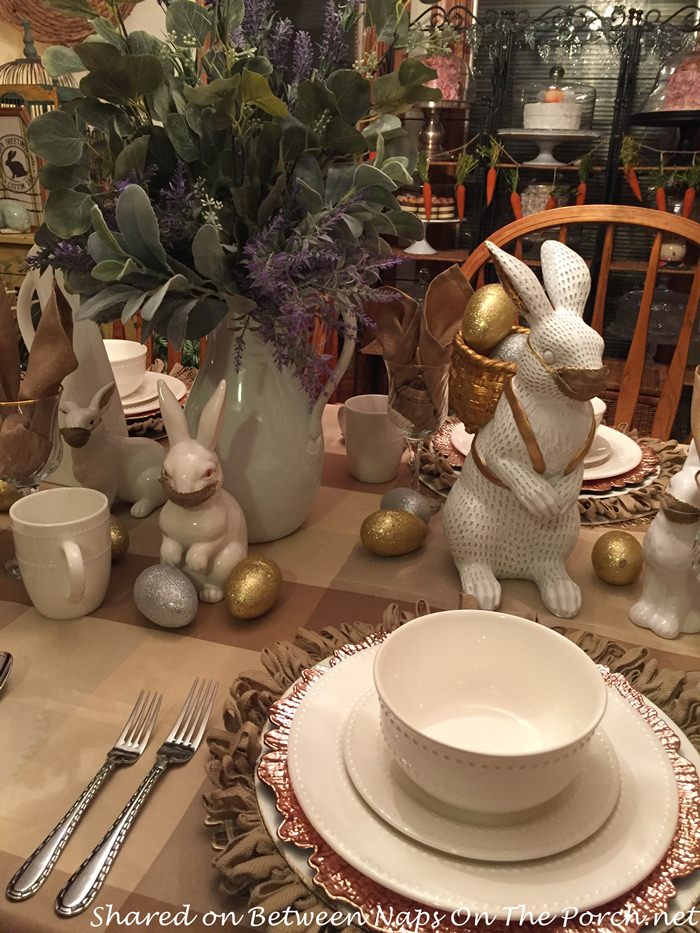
513,512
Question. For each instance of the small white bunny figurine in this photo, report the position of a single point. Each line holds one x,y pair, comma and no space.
513,511
126,468
201,522
670,600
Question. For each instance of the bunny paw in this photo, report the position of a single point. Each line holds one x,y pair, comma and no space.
170,552
143,507
197,561
211,593
480,582
665,624
561,596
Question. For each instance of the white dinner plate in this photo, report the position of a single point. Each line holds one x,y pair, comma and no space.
625,453
607,864
149,389
599,452
561,824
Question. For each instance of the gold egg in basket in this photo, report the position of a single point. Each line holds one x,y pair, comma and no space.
8,496
617,558
390,533
253,587
488,318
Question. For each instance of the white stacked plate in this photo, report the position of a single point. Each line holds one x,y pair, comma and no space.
143,403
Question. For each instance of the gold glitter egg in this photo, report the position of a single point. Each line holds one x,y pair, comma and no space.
617,558
119,537
8,496
390,533
253,587
488,318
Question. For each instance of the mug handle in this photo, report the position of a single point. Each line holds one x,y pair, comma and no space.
76,570
341,419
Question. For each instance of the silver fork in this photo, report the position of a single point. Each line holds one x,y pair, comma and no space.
127,749
179,747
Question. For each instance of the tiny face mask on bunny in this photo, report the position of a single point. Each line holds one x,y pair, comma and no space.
188,500
579,384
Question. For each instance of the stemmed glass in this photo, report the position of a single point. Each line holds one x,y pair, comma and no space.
418,396
30,448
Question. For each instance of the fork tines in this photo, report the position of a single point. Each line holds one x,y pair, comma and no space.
139,725
190,724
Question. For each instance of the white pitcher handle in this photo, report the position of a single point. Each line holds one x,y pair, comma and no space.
349,342
76,569
25,296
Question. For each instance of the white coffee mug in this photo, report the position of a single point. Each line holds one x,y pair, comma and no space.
63,548
374,444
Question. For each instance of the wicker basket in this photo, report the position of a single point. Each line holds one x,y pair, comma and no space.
476,383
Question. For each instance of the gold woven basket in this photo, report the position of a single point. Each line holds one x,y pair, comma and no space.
476,383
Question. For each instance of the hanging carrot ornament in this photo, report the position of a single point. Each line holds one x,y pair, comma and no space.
585,167
465,166
692,180
629,156
423,169
491,154
515,202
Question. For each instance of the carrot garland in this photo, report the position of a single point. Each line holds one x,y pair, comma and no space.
551,203
465,165
491,153
515,202
688,201
660,196
692,180
585,167
629,156
423,169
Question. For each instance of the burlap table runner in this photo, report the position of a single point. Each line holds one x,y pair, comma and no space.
634,506
247,857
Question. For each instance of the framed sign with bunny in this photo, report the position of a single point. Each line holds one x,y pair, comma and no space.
20,192
513,512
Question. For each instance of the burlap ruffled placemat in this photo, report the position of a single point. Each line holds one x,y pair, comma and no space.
247,858
635,506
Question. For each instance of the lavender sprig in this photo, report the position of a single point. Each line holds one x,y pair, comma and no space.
333,46
279,43
302,56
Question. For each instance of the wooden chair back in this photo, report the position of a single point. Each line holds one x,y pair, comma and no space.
609,218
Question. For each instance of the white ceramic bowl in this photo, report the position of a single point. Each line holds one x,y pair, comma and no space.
599,407
128,361
486,711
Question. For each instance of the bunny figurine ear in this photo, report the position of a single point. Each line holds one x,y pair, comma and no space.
566,277
173,415
521,284
103,396
212,418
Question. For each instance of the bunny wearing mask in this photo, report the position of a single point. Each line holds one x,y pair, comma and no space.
513,513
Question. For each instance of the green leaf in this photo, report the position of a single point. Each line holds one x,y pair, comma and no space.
207,254
132,159
272,200
391,20
382,198
132,306
104,233
80,8
397,170
387,124
137,222
413,71
146,72
393,96
407,225
310,197
181,137
367,175
314,100
218,90
343,138
98,56
339,180
175,282
354,225
67,212
230,15
58,60
308,171
178,319
190,22
209,313
104,299
109,270
256,90
106,31
143,43
55,138
352,93
98,114
293,139
135,76
63,176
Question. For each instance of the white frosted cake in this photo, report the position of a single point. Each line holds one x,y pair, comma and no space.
552,115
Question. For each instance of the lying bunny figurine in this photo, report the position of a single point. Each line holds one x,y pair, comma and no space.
126,468
513,511
670,600
201,521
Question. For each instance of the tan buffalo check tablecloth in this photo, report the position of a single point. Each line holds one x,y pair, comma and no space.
74,683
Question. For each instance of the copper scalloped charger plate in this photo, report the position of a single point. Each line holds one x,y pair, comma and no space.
646,471
390,912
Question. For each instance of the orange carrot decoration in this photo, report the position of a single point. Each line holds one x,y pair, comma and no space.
515,202
551,203
584,170
629,156
465,165
660,196
423,169
491,153
692,180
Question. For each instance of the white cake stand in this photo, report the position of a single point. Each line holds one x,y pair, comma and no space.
546,140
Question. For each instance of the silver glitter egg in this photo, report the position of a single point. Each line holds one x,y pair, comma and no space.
403,499
166,596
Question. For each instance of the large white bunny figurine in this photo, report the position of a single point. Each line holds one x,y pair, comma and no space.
513,512
670,600
201,523
126,468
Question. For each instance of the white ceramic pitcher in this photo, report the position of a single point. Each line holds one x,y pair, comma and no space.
271,443
93,370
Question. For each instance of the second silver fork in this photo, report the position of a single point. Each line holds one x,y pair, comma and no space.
127,749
